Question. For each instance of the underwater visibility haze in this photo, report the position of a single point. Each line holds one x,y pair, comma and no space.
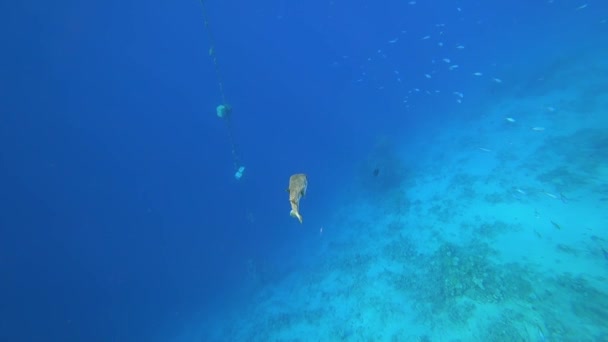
304,170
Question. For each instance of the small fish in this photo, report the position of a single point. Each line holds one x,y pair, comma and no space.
484,149
393,41
556,225
538,129
511,120
541,336
548,194
447,60
605,253
582,7
497,80
477,74
460,47
425,37
453,66
427,75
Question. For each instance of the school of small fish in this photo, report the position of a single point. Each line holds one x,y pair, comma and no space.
452,57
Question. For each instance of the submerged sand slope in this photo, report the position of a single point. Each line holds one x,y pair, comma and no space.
504,239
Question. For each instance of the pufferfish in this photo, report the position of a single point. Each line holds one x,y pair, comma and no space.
297,189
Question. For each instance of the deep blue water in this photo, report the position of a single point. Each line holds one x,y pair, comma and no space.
119,212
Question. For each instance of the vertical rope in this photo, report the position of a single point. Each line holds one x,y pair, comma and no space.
218,74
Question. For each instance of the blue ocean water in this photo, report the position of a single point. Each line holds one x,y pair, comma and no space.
456,156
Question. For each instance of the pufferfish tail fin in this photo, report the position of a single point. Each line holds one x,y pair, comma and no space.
295,214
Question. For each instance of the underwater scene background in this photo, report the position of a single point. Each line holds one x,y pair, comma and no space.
456,154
